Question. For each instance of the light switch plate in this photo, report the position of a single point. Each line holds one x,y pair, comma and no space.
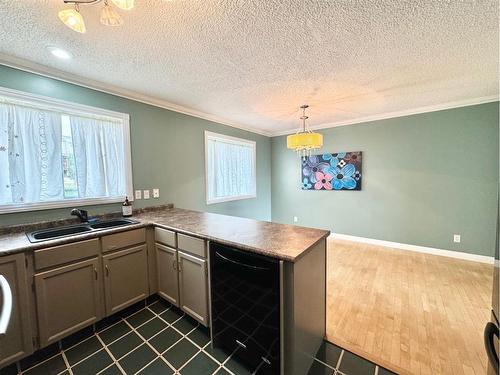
456,238
138,194
156,193
145,193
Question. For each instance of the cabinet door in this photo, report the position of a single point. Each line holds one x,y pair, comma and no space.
168,281
17,340
68,298
193,286
125,278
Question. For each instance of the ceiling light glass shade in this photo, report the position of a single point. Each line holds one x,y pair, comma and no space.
124,4
73,19
304,142
109,17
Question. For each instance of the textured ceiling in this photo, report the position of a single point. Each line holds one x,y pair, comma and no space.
255,62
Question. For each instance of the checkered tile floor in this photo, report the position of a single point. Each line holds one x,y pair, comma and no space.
160,339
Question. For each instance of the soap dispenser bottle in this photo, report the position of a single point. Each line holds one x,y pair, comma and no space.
126,208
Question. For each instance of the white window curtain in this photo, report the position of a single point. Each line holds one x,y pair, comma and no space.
99,157
30,155
230,169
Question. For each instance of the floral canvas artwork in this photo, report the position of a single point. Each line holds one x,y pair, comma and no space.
337,171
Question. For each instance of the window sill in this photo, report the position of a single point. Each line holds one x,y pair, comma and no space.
229,199
6,209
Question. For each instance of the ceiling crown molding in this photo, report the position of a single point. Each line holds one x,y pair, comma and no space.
406,112
49,72
31,67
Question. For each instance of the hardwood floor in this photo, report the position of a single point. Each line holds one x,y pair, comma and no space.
410,312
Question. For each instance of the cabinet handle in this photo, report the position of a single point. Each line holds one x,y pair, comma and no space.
173,265
107,270
95,273
6,310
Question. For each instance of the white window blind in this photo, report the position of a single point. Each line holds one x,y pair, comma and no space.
56,154
230,168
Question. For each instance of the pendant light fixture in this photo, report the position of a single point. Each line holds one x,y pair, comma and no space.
73,19
109,17
124,4
305,140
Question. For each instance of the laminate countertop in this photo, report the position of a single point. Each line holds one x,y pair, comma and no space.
281,241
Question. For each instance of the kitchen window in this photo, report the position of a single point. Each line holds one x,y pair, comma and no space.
59,154
230,168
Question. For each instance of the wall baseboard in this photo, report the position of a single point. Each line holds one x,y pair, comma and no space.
415,248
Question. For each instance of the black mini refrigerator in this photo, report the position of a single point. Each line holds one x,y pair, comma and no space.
245,294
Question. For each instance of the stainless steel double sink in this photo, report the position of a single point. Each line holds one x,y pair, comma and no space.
57,232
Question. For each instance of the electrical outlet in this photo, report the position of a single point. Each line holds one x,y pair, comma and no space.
145,193
138,194
156,193
295,219
456,238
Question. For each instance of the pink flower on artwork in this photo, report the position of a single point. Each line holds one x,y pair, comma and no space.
323,181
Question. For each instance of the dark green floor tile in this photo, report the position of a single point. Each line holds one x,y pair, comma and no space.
40,356
384,371
201,336
124,345
112,333
158,367
180,353
111,370
171,315
222,371
159,306
329,354
77,337
219,354
236,367
51,366
352,364
186,324
82,350
202,364
9,370
165,339
151,328
139,358
318,368
93,364
138,318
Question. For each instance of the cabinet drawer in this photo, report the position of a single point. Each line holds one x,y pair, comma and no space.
166,237
192,245
123,239
54,256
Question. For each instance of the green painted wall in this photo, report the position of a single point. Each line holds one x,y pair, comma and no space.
425,178
167,151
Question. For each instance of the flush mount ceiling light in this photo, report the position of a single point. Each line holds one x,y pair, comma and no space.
60,53
305,140
74,20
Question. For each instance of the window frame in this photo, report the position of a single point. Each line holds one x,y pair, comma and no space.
234,140
71,108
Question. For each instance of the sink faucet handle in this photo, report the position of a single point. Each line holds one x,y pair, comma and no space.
82,214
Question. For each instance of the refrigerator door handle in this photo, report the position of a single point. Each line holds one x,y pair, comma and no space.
6,310
490,331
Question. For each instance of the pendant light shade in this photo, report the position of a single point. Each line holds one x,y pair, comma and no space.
124,4
304,141
109,17
73,19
